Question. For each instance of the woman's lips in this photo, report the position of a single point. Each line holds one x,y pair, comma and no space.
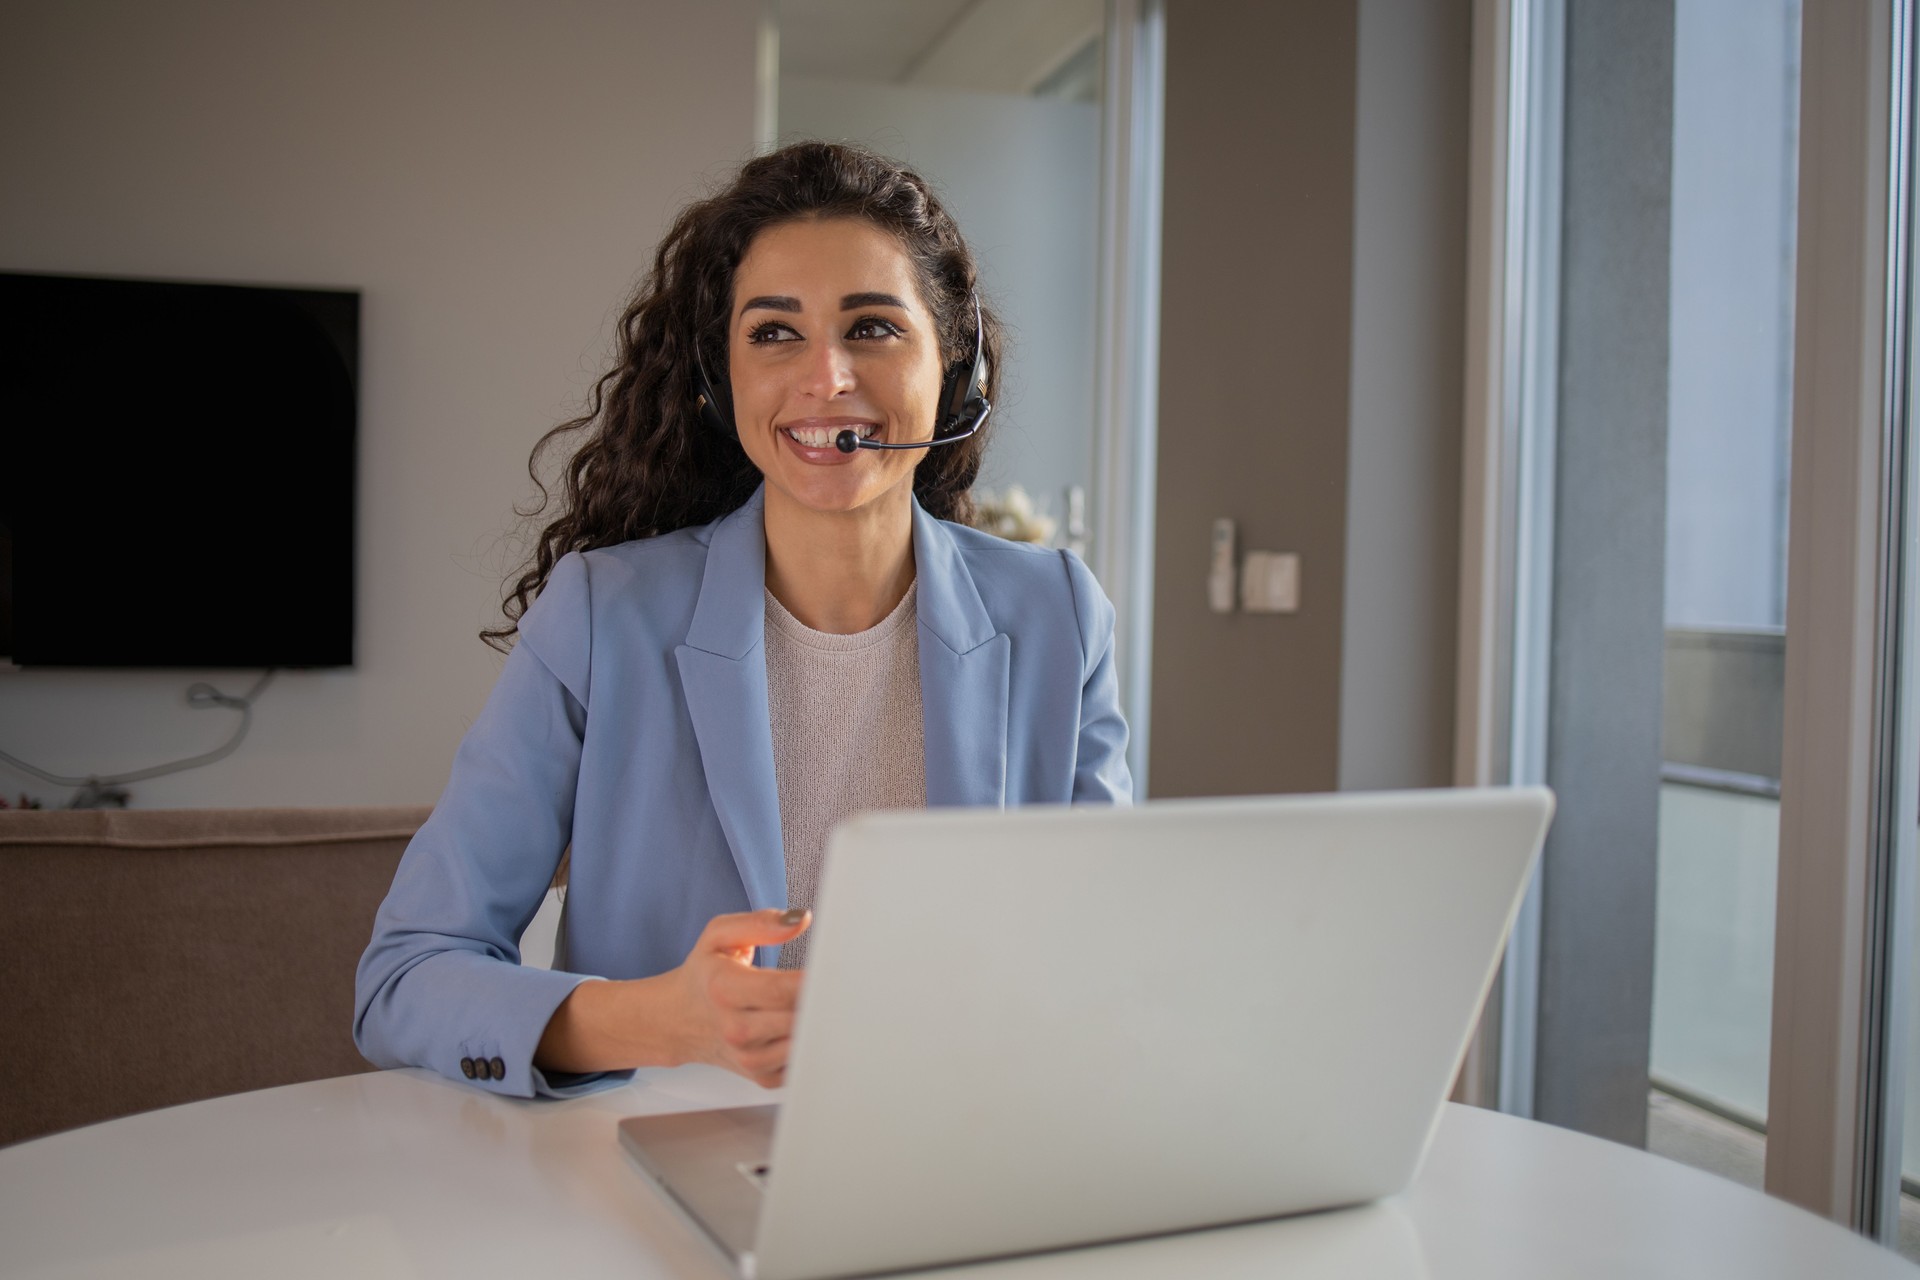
819,446
825,435
823,455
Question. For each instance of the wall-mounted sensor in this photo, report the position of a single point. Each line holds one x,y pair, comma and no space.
1220,578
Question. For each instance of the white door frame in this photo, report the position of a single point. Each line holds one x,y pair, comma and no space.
1127,352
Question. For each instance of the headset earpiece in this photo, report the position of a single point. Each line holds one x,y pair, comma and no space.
963,395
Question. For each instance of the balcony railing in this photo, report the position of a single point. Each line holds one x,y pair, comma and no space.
1719,863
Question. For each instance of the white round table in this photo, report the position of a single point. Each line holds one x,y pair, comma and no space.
403,1174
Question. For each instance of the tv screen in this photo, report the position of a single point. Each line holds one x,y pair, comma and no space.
176,473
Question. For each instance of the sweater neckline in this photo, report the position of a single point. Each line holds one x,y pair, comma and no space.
782,620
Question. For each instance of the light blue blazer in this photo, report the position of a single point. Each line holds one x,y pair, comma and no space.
630,722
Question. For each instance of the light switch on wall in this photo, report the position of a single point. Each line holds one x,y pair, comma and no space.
1220,573
1270,582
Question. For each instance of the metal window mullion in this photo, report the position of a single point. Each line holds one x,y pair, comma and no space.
1896,796
1507,473
1532,422
1479,676
1827,1093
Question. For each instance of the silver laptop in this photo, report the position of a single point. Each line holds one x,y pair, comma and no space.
1042,1028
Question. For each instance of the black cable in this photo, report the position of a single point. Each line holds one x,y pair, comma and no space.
200,695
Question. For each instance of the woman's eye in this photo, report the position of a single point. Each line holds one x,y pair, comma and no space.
873,327
770,331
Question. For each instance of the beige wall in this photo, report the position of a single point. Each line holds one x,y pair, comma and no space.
1256,312
1406,394
491,175
1310,389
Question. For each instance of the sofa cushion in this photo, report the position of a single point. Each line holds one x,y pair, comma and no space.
164,956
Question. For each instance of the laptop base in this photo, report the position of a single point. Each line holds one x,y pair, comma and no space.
713,1166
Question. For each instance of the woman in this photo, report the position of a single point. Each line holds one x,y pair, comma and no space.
748,621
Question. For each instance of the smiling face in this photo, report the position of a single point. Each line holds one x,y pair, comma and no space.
829,333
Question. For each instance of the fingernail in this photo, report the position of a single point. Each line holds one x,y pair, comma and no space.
793,915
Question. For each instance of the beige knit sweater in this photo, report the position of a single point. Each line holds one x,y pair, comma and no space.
847,734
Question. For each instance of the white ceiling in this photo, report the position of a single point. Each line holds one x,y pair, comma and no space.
862,39
1000,46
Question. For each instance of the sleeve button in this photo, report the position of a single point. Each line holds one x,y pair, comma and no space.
499,1069
469,1068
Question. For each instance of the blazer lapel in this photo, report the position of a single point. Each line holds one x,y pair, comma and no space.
723,672
963,676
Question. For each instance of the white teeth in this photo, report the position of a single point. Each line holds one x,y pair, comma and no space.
821,437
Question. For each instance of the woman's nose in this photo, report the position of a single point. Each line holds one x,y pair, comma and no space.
829,371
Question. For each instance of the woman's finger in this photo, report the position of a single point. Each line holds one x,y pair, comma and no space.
737,987
764,1066
746,929
755,1029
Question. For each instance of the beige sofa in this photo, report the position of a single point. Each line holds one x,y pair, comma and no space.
164,956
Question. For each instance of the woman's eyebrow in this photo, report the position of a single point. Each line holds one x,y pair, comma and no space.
771,302
856,300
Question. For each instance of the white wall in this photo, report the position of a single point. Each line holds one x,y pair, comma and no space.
1021,176
1403,461
492,176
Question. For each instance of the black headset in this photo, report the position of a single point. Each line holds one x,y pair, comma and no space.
963,401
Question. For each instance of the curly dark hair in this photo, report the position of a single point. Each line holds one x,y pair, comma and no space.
645,464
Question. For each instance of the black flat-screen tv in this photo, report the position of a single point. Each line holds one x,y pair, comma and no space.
176,473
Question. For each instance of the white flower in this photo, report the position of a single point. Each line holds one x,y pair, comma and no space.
1011,516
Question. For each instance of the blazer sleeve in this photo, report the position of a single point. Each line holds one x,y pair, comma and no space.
441,982
1100,774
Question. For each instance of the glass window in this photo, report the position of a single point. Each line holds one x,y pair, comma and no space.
1730,404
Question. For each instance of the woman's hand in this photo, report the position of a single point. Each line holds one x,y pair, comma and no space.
715,1008
734,1015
